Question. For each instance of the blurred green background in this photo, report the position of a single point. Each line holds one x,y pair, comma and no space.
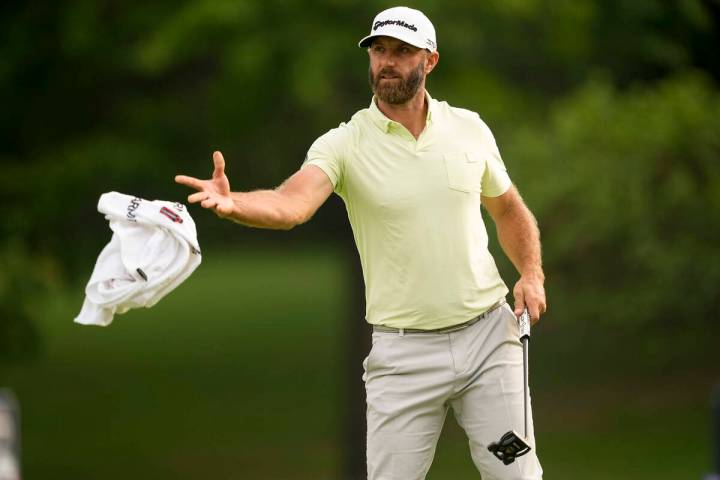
608,117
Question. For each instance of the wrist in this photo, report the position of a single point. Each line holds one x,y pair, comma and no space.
534,272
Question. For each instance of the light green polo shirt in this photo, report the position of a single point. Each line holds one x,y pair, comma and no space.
414,208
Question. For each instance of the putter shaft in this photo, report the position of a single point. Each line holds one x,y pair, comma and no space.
511,445
525,381
524,323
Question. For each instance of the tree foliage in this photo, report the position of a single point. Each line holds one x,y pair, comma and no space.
626,187
606,112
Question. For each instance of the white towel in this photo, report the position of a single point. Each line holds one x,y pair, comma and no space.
153,249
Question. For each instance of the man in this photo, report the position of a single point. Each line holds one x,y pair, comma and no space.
413,173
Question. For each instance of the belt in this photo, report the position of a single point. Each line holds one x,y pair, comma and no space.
452,328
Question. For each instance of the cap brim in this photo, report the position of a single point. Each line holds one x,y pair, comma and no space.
365,42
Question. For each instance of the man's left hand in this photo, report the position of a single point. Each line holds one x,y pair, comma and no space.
529,292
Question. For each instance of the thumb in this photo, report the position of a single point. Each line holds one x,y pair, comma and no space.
519,301
219,163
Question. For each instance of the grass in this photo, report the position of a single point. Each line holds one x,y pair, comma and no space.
237,374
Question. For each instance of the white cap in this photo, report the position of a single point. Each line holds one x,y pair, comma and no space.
406,24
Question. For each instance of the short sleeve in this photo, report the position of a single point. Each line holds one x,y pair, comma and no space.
495,180
327,153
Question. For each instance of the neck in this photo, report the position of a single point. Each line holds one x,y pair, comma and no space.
411,114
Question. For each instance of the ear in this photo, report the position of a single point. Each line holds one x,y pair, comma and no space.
430,61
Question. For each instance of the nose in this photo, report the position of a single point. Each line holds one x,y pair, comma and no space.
386,60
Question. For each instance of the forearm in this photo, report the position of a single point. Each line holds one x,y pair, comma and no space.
264,209
519,238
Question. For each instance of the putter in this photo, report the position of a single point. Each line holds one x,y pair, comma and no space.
512,444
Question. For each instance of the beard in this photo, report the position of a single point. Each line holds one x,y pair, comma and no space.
399,91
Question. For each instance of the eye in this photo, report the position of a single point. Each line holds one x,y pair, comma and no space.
377,48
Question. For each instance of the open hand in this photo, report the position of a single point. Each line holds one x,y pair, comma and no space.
213,194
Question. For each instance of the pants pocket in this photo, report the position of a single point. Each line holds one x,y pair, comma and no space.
367,362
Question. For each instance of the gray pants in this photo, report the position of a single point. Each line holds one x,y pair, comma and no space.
411,379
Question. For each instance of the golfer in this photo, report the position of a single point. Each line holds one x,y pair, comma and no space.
413,172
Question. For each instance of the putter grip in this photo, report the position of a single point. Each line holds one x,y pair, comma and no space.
524,323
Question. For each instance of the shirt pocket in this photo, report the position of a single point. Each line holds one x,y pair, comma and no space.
464,171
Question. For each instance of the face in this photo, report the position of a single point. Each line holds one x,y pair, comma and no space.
397,69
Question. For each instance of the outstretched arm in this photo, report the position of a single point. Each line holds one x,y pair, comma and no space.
292,203
520,239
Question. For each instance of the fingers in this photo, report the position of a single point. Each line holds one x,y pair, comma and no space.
530,294
212,194
536,309
519,300
219,163
197,197
191,182
196,183
209,203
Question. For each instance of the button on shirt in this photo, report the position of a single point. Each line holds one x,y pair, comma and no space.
414,209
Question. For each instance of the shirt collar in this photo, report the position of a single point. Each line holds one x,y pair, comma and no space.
384,123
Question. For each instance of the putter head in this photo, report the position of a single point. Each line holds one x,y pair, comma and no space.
509,447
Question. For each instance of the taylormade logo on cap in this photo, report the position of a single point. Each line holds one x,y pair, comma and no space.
406,24
394,22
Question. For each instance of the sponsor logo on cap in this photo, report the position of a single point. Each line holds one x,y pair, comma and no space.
399,23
